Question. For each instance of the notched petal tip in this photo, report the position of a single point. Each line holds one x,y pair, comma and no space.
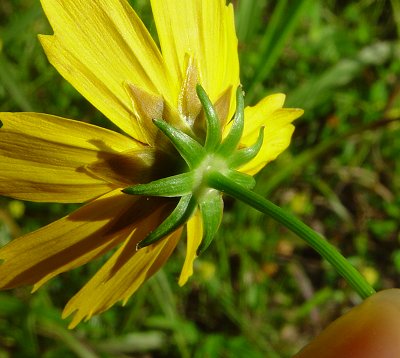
120,277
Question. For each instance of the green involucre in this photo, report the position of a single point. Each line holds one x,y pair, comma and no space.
216,155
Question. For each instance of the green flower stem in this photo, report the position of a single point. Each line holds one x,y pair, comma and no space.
318,243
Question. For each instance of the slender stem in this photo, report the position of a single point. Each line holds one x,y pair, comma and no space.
317,242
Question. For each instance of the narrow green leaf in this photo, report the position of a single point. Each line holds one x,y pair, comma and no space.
313,92
282,24
249,18
12,84
396,14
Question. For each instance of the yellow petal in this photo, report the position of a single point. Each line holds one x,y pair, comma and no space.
278,130
205,31
257,116
194,237
120,276
73,240
43,157
98,45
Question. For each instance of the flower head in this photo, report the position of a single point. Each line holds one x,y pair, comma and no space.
103,49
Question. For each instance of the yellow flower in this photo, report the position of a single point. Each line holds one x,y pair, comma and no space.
103,49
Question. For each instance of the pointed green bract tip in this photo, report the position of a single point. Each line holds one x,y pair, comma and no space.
232,140
214,132
190,150
211,208
1,124
245,155
177,218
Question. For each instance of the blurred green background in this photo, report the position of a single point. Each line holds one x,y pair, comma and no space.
258,291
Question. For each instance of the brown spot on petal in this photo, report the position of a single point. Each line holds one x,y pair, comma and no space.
189,105
221,107
146,107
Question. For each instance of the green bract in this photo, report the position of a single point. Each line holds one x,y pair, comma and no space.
216,155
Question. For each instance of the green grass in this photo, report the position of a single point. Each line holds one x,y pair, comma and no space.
258,291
